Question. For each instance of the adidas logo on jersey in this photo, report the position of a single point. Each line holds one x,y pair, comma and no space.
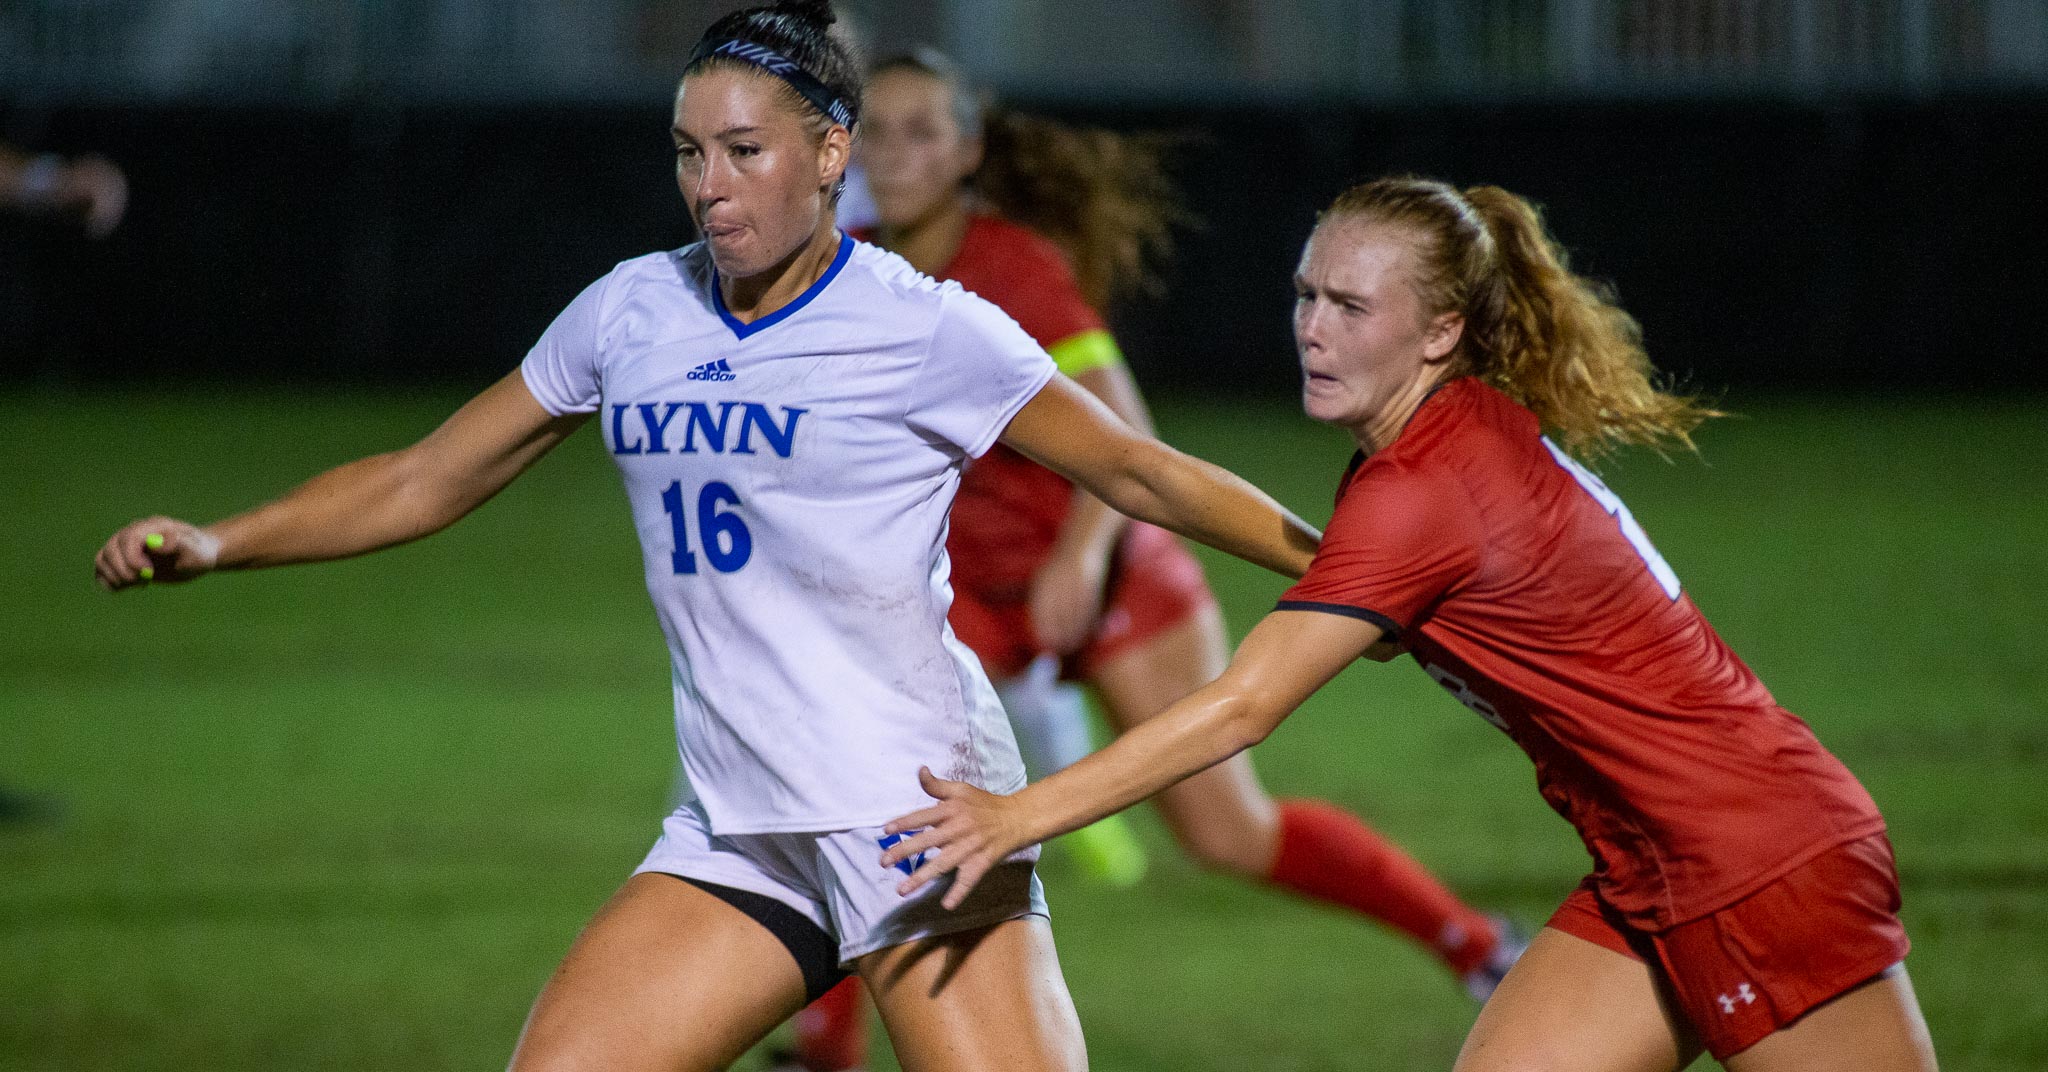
717,370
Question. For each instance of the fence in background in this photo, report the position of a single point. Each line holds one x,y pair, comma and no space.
304,52
1820,192
1879,243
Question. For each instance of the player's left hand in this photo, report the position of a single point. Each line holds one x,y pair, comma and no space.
159,550
1066,600
966,833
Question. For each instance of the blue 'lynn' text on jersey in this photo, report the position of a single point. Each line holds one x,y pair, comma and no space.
649,434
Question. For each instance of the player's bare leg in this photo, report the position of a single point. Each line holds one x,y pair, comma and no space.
666,977
1570,1005
978,1000
1877,1027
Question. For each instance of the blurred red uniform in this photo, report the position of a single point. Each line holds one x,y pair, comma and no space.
1728,845
1009,509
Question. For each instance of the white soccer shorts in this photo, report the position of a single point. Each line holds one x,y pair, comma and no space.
836,880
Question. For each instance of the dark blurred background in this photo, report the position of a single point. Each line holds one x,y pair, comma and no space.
1788,193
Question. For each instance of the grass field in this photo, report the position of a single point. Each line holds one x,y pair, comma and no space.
349,816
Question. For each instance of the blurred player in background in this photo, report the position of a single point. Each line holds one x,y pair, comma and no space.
1744,898
89,189
92,192
1050,222
790,411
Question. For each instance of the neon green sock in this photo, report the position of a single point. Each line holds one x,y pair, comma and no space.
1108,851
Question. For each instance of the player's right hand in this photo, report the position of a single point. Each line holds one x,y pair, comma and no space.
1066,600
158,550
965,833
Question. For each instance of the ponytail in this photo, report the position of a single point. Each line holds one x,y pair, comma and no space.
1104,198
1562,346
1551,340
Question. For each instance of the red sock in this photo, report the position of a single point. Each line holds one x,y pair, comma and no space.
1331,855
832,1032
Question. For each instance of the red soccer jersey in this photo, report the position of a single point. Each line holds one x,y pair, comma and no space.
1522,585
1009,509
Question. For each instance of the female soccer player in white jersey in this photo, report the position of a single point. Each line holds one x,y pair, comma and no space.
790,411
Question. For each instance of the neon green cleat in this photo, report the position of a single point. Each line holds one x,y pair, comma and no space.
1108,852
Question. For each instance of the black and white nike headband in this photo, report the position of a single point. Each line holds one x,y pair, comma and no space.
830,104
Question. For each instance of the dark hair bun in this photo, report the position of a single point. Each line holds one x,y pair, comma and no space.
801,32
818,11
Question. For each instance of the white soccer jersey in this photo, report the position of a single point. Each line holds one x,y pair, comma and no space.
790,480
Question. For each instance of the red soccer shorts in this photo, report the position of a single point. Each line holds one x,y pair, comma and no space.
1761,963
1154,585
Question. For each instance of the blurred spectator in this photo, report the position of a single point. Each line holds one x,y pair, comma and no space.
88,188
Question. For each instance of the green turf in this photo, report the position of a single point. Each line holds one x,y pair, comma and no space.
349,816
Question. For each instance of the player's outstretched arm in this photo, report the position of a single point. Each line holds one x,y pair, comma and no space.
1070,431
1288,656
366,505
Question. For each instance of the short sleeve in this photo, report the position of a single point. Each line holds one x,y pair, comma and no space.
1400,540
982,368
562,369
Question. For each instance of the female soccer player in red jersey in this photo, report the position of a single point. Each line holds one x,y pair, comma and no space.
1038,567
1743,898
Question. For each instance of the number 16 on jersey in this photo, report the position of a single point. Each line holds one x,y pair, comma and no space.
727,543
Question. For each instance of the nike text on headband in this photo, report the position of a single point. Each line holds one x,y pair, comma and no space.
782,67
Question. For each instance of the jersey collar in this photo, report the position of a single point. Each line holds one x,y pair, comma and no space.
744,330
1358,458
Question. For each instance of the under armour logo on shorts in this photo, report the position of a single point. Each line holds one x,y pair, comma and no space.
1742,993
